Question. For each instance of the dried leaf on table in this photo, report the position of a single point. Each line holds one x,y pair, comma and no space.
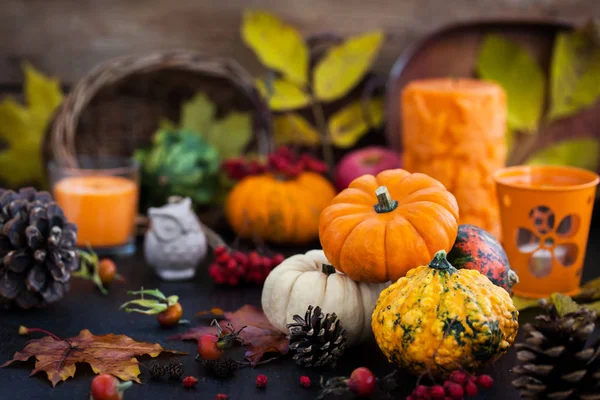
515,69
593,284
22,128
523,303
345,65
259,335
278,46
292,128
582,153
574,72
282,95
353,121
110,354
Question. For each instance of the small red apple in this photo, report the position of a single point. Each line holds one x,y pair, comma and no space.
369,160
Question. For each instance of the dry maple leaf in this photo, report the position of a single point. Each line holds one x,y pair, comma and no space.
259,336
110,354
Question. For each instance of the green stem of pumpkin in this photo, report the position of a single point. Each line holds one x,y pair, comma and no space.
385,204
440,262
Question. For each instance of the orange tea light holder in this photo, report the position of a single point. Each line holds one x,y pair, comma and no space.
101,198
545,214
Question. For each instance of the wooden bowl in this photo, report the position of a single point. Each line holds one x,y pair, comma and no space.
452,52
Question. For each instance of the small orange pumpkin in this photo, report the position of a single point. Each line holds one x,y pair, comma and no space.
380,227
279,210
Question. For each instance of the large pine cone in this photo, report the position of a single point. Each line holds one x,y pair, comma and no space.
317,339
37,249
558,359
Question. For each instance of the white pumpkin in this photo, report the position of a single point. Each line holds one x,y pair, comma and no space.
302,280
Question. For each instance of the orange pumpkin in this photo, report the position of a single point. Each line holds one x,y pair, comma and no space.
279,210
381,227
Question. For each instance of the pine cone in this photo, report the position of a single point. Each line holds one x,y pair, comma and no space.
220,368
555,361
175,370
157,370
317,339
37,249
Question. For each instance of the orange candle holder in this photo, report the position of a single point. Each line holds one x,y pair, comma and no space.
545,216
101,198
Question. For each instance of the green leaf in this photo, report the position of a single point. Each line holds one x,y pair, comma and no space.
292,128
582,153
593,284
353,121
278,46
151,292
514,68
345,65
231,135
282,95
197,115
595,307
23,128
564,304
523,303
574,73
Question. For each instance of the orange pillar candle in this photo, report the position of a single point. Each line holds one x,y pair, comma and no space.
454,130
104,208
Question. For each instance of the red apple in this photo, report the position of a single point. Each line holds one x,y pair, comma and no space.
368,160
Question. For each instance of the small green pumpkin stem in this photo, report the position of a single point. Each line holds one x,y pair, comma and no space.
440,262
385,204
328,269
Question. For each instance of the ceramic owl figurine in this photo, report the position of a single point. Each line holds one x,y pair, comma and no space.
175,242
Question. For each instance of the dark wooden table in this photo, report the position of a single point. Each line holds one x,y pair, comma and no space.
84,307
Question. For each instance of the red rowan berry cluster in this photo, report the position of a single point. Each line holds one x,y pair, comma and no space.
458,386
231,267
283,162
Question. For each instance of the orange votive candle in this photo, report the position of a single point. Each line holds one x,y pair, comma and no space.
104,208
454,130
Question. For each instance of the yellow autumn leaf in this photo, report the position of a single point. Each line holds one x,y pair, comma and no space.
277,45
23,127
292,128
283,95
352,122
345,65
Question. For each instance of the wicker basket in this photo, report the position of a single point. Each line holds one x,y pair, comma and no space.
117,107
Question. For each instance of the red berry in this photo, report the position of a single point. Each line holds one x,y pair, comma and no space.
189,381
485,381
220,249
455,391
410,398
261,381
231,265
241,258
294,170
107,270
254,259
471,389
459,377
421,391
208,349
284,152
266,262
305,381
221,396
223,259
107,387
437,392
255,168
277,259
214,270
362,382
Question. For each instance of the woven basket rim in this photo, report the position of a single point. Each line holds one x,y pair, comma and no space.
60,138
